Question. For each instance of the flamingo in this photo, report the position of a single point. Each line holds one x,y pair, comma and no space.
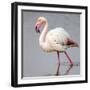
56,40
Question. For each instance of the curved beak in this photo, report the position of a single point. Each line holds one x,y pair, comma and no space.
37,27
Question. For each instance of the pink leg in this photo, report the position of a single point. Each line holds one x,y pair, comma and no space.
71,63
58,55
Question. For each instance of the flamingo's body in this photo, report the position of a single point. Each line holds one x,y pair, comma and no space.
56,40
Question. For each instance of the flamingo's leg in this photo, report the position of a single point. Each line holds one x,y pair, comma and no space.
57,73
58,55
71,63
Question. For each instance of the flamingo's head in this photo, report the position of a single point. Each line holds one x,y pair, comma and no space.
40,21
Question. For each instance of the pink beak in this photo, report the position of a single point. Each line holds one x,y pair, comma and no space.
37,27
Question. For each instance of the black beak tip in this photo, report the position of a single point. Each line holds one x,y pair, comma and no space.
37,30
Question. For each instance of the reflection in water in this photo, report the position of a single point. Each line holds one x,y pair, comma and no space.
66,72
65,69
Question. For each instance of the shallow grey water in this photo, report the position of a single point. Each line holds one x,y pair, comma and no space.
66,70
36,62
63,69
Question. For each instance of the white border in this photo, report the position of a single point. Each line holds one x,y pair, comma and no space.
31,80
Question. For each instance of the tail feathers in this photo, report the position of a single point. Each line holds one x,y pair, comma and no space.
71,43
74,45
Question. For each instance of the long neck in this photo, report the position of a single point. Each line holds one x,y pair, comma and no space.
43,34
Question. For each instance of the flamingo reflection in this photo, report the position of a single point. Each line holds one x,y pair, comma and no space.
66,72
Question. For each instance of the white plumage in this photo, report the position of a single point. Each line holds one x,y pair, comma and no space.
57,40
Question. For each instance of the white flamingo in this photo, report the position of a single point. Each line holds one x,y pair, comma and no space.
56,40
